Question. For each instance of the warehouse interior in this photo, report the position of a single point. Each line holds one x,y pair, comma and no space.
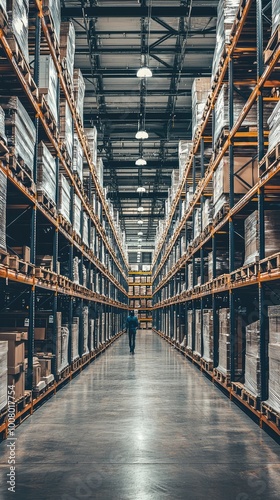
139,171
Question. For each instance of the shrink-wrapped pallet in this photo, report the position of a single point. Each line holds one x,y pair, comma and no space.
64,346
224,342
184,149
207,213
99,170
85,349
76,270
274,127
85,229
190,328
197,346
200,90
222,262
91,334
64,206
48,83
77,214
274,324
85,276
79,92
226,12
3,373
3,5
3,209
67,46
274,376
252,359
20,130
66,127
75,338
18,11
222,110
197,223
207,334
46,172
272,235
58,341
54,9
91,134
2,125
275,8
78,157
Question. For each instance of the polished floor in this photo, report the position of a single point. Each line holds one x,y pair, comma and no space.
143,427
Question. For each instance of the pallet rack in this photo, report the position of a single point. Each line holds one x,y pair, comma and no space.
33,294
140,296
250,60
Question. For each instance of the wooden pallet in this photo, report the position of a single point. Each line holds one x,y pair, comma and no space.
220,67
46,202
21,172
221,213
68,80
221,377
250,399
270,264
50,25
245,273
270,161
51,122
272,45
206,365
64,373
65,224
196,356
21,403
75,365
271,414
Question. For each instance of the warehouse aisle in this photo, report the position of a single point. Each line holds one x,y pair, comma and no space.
143,427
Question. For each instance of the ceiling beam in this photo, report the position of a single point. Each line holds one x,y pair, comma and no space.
135,50
154,164
127,116
125,195
135,93
162,72
137,12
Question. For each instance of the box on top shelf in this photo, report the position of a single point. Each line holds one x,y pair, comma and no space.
252,359
251,232
66,126
54,9
79,92
200,91
18,11
46,172
67,46
275,8
226,13
20,130
3,207
78,157
48,83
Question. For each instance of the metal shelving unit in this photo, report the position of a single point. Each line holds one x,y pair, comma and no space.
140,282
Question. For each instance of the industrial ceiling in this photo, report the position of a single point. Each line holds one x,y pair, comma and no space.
176,40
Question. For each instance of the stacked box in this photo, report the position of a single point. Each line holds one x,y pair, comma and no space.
86,229
224,343
207,334
197,223
54,8
85,330
67,46
75,339
190,328
76,270
222,111
78,157
200,90
3,208
64,203
2,125
64,346
274,127
3,373
197,347
252,359
274,357
226,12
100,170
20,130
48,83
91,134
46,172
66,127
18,11
84,276
79,92
275,9
207,213
222,263
15,365
184,149
246,175
272,235
77,214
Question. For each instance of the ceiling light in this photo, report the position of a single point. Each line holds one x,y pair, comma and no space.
140,161
144,72
140,209
141,189
140,239
141,134
140,233
140,221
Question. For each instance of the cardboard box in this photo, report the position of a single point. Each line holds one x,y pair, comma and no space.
39,333
12,333
46,367
19,382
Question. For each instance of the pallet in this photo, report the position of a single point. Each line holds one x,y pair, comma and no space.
75,365
85,358
46,202
206,365
269,163
271,414
245,273
220,67
63,374
21,403
67,226
221,214
250,399
196,356
50,25
20,171
272,46
221,377
50,120
68,80
270,264
23,65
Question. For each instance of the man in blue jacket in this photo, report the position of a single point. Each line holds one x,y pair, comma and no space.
131,327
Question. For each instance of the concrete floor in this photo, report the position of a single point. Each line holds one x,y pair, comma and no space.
143,427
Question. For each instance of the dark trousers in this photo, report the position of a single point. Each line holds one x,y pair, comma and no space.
131,336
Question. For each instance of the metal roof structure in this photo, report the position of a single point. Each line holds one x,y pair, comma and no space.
176,40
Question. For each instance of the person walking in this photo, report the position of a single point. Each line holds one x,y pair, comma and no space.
131,327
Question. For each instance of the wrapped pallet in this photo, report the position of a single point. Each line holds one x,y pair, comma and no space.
3,208
79,92
272,235
252,359
64,346
274,324
78,157
200,90
91,335
2,125
53,7
224,343
3,5
275,8
18,11
197,347
75,338
274,127
190,329
197,223
20,130
207,334
3,373
66,127
91,134
85,348
77,214
222,110
207,213
222,262
46,172
58,341
274,357
76,270
67,46
64,205
226,12
86,229
184,149
48,83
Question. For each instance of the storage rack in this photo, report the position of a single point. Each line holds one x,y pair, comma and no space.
245,290
33,294
140,296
